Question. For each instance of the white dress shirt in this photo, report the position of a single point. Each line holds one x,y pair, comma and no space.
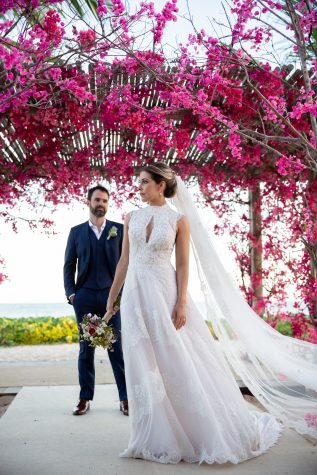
96,230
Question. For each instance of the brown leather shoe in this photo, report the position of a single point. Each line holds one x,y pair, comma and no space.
124,407
81,408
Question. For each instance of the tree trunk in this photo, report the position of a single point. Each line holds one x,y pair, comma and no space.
311,246
313,273
256,249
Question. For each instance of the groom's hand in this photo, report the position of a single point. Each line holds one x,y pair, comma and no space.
179,315
71,298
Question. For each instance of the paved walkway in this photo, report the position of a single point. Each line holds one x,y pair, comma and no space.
47,365
39,435
54,352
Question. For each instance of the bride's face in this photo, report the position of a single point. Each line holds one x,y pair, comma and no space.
148,188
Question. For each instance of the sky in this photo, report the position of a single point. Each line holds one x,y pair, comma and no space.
34,260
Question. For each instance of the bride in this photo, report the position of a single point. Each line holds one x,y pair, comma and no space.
184,401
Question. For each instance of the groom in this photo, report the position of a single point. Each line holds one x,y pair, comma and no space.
94,247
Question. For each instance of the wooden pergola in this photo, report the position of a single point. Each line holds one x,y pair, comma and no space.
112,140
101,85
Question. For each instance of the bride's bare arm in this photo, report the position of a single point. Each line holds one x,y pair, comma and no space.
182,264
121,269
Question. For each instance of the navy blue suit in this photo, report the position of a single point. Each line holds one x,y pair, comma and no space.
95,261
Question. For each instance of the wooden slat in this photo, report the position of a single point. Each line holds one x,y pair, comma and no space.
100,84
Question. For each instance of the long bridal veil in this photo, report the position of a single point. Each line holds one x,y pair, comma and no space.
280,371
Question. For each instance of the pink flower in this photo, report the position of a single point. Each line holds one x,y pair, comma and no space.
92,329
102,9
281,377
87,39
311,419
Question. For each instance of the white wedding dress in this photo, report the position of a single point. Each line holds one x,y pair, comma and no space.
184,403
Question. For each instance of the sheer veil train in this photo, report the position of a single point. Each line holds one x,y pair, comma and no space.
280,371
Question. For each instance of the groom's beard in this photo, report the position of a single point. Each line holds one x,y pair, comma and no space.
98,211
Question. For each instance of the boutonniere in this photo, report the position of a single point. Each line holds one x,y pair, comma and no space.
113,232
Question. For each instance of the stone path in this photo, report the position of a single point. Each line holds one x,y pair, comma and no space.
58,352
39,435
47,365
38,388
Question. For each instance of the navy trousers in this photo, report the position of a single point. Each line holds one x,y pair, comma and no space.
95,301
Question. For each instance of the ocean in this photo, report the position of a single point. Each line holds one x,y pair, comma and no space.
19,310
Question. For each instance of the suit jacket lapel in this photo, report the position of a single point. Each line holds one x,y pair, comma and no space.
106,231
86,237
86,240
107,244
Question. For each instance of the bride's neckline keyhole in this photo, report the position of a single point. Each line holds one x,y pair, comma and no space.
149,229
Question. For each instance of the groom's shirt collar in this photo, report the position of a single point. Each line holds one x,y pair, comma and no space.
96,230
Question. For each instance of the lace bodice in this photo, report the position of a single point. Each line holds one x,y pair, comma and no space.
152,233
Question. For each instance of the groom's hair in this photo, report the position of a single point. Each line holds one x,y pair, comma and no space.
98,187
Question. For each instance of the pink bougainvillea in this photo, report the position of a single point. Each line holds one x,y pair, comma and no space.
244,121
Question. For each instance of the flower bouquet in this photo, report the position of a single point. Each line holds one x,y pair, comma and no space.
97,331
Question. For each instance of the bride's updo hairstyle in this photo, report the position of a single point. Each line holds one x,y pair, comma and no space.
159,171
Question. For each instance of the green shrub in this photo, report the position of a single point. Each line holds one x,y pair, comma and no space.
284,327
35,331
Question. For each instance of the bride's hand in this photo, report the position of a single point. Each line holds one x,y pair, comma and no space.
179,315
111,307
